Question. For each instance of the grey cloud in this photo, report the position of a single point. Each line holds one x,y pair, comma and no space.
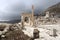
15,7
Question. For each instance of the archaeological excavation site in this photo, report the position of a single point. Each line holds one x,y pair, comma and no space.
34,27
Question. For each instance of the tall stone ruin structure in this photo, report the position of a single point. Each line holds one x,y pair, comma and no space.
28,18
47,14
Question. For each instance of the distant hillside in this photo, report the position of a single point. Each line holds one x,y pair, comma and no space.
54,8
11,21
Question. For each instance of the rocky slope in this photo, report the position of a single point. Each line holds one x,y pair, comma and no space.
54,8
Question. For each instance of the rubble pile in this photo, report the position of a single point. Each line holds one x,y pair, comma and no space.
12,32
17,35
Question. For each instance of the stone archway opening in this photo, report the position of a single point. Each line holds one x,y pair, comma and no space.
26,19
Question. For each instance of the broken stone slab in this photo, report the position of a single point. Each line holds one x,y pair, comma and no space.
53,33
36,33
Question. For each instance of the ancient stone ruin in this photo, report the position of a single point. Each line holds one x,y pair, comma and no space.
28,18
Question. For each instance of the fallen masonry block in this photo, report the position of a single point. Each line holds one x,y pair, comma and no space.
54,32
36,33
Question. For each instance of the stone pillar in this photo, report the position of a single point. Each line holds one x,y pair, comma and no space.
22,21
32,10
33,14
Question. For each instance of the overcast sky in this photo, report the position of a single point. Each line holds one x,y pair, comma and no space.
11,9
